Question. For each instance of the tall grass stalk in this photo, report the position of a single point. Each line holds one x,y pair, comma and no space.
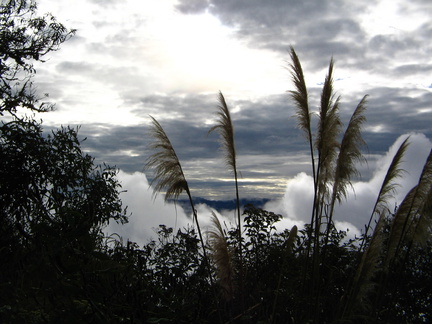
357,294
303,114
387,188
356,297
222,257
327,144
333,163
226,132
168,174
417,229
412,221
410,225
349,155
300,97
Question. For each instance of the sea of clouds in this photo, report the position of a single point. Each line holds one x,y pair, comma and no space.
147,211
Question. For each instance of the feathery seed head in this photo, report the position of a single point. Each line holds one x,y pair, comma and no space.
168,173
222,257
300,95
226,132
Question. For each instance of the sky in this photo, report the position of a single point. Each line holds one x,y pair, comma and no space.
130,59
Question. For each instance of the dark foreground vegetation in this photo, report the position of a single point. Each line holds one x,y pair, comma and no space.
58,266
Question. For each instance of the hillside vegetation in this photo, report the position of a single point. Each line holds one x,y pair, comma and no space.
58,266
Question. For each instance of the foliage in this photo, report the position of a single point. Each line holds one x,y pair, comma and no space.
45,179
59,267
54,205
25,38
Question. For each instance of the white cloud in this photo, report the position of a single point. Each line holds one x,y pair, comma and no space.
295,207
147,212
297,201
355,212
226,218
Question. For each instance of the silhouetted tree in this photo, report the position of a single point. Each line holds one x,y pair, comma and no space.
54,203
25,38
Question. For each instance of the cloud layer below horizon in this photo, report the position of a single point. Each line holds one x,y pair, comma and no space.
295,205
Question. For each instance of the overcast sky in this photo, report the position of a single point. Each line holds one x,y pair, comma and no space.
130,59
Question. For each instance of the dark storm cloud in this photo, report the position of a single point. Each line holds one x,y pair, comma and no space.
76,68
264,127
261,127
267,148
413,68
193,108
269,144
193,6
123,147
98,72
320,29
399,111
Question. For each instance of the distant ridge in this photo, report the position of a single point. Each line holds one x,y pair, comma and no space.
220,205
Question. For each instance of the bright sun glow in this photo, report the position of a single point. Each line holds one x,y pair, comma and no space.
204,56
